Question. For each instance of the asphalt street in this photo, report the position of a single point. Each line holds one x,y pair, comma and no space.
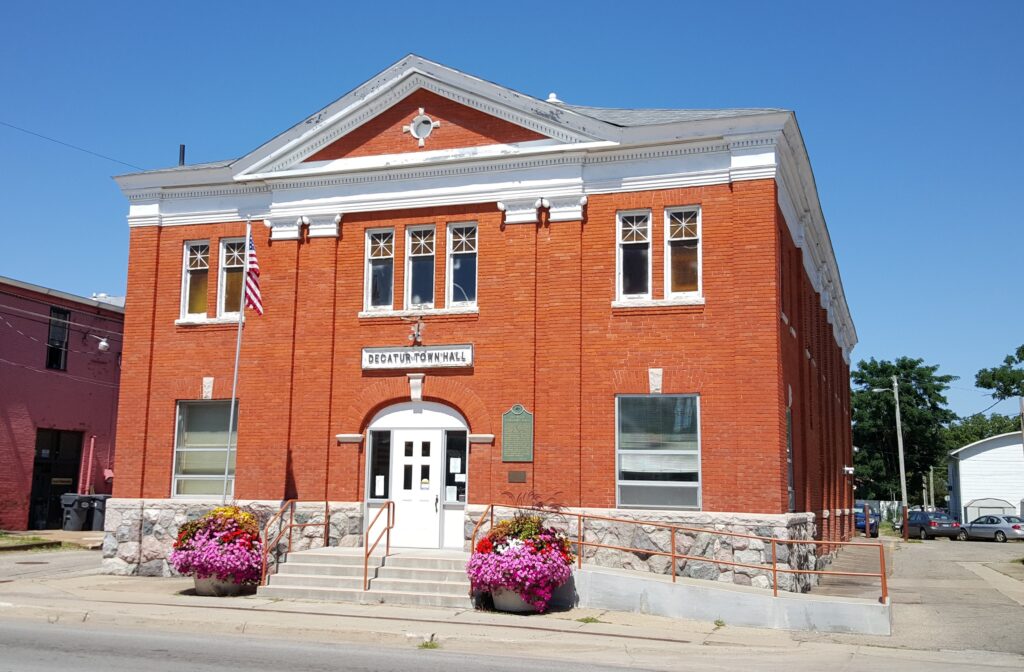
32,647
42,564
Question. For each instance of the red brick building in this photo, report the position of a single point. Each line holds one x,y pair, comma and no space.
619,309
59,377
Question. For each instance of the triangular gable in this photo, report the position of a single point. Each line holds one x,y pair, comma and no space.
445,124
347,124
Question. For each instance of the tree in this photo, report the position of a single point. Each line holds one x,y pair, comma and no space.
924,415
977,427
1006,381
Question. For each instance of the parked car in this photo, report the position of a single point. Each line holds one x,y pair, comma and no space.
876,520
928,524
1000,528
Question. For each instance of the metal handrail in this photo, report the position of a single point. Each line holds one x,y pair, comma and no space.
580,543
289,505
386,532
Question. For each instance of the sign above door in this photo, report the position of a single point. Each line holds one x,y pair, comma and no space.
418,357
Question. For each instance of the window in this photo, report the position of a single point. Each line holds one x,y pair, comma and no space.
462,265
57,341
658,445
380,464
419,271
634,257
232,275
201,449
195,281
455,466
682,252
380,269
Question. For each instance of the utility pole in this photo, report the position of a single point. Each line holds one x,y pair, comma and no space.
903,468
931,487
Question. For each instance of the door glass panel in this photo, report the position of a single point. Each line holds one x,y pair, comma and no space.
407,477
426,449
424,474
408,448
455,467
380,464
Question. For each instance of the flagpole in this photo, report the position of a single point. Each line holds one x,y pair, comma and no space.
238,352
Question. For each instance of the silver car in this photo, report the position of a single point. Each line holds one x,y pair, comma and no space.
999,528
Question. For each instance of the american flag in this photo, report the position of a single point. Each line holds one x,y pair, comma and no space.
253,299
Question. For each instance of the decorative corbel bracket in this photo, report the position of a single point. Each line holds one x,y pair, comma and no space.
520,210
565,208
323,226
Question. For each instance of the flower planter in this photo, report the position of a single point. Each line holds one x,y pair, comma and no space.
506,600
211,586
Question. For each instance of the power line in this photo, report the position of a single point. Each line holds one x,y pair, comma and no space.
63,376
68,144
85,328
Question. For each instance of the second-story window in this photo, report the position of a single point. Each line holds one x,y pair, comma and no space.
682,251
232,265
196,278
462,246
634,255
57,341
380,269
419,272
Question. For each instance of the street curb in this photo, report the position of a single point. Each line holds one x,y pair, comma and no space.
29,545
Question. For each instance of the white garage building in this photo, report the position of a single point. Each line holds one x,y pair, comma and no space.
987,477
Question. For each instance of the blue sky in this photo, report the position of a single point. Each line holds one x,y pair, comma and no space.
911,112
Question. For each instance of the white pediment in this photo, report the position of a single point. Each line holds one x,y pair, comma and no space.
288,154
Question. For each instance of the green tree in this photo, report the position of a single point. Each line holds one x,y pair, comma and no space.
924,415
1006,381
977,427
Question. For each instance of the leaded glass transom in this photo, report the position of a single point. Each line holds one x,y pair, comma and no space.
234,255
382,245
463,239
682,224
635,228
198,257
421,242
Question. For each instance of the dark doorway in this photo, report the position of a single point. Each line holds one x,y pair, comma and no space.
58,455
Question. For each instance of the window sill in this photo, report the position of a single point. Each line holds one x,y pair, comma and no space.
205,321
659,303
469,310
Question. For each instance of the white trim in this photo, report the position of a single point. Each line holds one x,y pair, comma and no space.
199,321
439,312
620,297
407,263
348,438
449,301
481,438
667,251
659,303
368,279
222,245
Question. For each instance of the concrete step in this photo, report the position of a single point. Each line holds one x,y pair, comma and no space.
365,597
297,579
426,575
319,557
316,581
426,562
325,569
412,586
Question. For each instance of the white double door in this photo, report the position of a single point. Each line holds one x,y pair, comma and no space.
416,460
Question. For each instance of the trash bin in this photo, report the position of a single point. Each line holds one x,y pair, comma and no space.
76,511
99,511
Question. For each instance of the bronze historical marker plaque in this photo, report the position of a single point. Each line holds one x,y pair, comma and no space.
517,435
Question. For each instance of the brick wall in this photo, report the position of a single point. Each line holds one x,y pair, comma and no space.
546,336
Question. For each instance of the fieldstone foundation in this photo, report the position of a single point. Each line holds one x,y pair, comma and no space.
708,540
140,533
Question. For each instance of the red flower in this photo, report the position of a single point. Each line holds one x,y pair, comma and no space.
485,546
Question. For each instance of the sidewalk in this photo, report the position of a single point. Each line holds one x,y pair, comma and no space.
633,640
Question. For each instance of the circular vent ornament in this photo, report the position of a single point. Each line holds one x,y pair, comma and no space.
421,127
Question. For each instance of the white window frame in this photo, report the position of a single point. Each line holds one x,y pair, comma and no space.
619,295
178,416
407,297
222,273
367,273
699,485
449,287
669,294
186,277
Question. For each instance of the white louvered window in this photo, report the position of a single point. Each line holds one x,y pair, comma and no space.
462,264
658,450
195,279
419,270
380,269
634,255
682,252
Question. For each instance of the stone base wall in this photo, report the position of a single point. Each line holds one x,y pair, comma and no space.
140,533
710,542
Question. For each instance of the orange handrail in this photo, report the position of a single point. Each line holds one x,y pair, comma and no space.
289,505
581,543
390,507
